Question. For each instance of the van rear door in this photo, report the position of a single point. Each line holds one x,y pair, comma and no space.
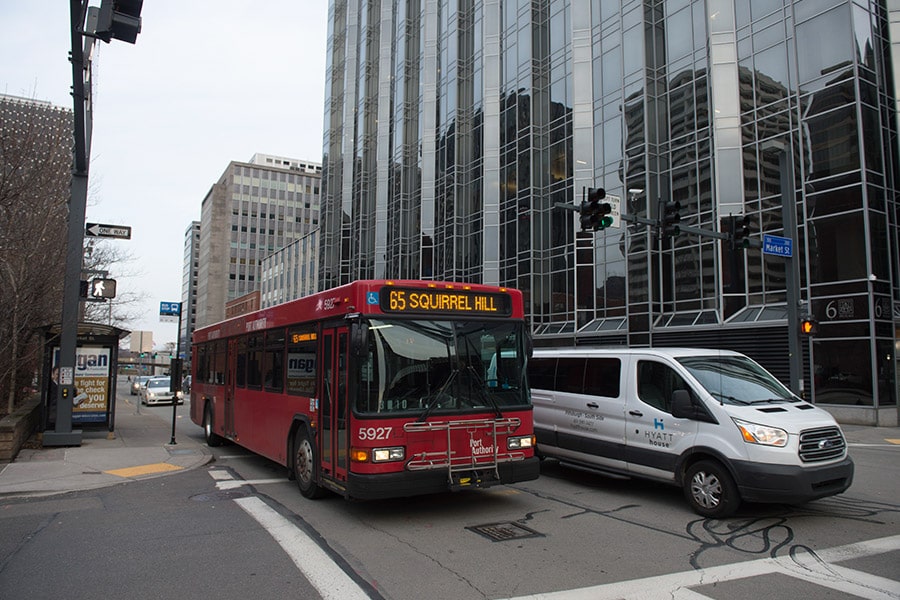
655,439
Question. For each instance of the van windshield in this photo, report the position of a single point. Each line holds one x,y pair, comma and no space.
736,380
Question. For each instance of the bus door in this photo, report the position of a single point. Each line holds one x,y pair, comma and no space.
333,447
230,367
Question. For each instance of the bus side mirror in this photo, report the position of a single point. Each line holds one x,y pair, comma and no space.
359,332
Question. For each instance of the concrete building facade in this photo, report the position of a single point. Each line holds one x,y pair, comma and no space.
254,209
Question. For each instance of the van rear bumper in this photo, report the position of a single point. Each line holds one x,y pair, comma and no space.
790,484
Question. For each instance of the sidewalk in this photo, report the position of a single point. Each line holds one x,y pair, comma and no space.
139,449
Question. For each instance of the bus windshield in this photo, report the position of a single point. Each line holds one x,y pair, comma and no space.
435,367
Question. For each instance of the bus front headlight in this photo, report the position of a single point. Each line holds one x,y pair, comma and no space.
388,454
520,442
761,434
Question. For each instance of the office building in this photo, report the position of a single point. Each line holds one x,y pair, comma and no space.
291,272
457,133
189,277
254,209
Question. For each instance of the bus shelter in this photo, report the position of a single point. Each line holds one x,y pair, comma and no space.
96,358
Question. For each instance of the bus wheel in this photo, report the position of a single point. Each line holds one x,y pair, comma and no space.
212,438
710,490
305,466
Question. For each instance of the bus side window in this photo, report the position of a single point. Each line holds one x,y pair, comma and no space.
301,362
273,361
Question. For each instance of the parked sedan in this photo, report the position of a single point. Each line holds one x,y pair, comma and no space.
158,390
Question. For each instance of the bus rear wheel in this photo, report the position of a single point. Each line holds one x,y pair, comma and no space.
212,438
305,466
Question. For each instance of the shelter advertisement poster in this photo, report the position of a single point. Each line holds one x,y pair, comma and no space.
92,372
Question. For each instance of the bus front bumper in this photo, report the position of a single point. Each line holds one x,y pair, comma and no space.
415,483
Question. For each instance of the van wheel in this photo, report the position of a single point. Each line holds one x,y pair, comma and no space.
212,438
305,466
710,490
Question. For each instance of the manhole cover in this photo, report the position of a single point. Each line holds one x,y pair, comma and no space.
220,495
501,532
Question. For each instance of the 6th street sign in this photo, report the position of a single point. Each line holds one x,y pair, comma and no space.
122,232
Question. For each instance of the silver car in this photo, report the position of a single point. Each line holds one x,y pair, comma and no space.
137,383
158,390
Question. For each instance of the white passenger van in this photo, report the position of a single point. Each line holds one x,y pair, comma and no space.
713,422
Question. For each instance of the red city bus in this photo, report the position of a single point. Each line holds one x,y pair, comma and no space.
375,389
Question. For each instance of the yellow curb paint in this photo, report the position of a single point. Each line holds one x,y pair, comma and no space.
890,441
144,470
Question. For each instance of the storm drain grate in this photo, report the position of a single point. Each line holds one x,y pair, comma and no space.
502,532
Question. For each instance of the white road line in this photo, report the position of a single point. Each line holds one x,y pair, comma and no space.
320,570
674,585
234,483
220,475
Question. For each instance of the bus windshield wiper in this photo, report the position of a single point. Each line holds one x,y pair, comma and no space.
492,402
437,396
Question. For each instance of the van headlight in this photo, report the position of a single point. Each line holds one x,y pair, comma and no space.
761,434
520,442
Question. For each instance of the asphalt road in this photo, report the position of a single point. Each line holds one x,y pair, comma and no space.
237,528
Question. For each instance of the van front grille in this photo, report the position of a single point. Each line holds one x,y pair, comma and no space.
817,445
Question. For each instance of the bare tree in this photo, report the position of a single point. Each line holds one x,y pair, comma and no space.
35,172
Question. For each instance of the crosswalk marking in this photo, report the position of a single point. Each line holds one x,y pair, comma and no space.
816,568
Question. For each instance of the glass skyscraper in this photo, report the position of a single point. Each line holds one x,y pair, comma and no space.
456,133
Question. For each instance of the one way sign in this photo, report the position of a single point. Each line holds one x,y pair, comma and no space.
122,232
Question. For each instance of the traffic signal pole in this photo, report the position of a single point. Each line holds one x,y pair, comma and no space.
63,434
791,271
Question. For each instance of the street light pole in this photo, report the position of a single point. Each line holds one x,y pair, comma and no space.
63,434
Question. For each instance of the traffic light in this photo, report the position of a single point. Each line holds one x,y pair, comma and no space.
120,20
102,288
740,232
595,214
809,326
670,218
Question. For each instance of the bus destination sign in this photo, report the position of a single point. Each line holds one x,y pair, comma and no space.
444,301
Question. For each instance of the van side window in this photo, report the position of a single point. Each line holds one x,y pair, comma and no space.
602,377
656,382
541,373
570,375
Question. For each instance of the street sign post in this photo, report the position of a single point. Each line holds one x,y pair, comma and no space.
122,232
169,312
778,246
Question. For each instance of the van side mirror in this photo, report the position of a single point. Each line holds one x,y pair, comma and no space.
682,407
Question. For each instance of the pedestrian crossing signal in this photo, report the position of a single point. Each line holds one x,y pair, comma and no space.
102,288
809,326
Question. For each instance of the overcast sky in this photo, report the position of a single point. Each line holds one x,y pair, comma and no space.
207,82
